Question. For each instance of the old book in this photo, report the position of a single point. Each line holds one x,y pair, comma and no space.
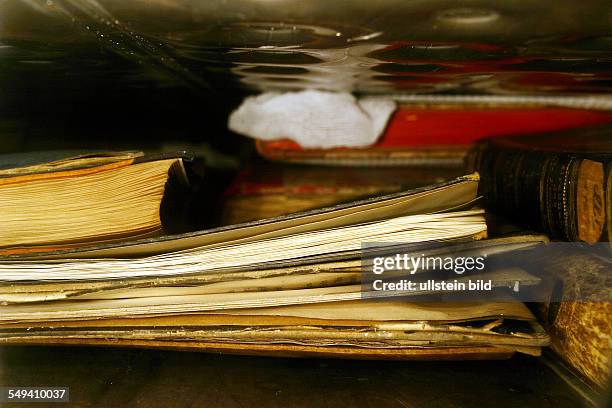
54,200
271,189
296,350
398,335
578,315
559,182
437,135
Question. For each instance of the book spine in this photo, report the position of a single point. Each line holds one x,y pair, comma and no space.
562,195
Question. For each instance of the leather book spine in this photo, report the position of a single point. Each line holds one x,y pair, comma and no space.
560,194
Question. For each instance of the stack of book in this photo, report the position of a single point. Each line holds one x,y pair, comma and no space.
88,256
557,180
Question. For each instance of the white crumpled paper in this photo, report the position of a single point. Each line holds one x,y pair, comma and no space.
313,119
